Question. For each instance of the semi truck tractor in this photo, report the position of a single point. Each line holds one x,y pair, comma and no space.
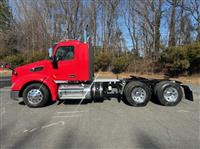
69,74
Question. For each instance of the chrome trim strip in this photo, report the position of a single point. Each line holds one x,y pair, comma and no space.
60,81
106,80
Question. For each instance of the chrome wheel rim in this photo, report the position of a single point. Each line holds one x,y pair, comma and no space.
170,94
138,94
34,96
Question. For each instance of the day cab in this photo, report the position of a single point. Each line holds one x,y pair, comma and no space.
69,74
70,62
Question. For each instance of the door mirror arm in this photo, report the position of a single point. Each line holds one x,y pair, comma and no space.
55,62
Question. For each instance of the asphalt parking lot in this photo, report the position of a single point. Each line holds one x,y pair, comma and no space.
108,124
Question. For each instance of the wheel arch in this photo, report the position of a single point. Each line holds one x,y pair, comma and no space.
29,83
52,88
149,83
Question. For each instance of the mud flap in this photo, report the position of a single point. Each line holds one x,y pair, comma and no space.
188,92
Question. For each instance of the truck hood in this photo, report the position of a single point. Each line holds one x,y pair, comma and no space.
42,63
40,67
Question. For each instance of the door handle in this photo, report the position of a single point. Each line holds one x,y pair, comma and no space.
72,76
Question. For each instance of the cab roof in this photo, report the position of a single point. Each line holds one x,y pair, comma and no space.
70,41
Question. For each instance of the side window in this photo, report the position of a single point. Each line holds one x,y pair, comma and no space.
65,53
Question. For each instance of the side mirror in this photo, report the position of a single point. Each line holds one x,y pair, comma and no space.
55,62
50,53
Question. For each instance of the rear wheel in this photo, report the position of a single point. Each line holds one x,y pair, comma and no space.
137,93
168,93
36,95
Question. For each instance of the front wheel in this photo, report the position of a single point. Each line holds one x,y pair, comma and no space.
36,95
137,93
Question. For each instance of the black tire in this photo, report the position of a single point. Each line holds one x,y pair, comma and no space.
128,93
44,91
160,89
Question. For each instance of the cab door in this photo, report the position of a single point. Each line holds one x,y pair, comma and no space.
67,63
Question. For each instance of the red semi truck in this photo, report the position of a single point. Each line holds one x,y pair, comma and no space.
69,74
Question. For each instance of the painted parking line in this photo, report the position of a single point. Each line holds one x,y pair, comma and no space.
66,112
67,116
53,124
184,111
45,126
25,131
31,130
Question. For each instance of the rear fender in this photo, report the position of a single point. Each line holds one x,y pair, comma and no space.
188,92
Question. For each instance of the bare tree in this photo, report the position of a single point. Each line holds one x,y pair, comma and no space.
130,18
92,13
172,28
74,17
157,10
194,9
109,11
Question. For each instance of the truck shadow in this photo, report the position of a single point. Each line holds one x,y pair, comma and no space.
153,100
71,102
100,100
91,101
80,101
48,104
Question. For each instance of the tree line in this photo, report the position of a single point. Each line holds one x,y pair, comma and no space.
127,31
